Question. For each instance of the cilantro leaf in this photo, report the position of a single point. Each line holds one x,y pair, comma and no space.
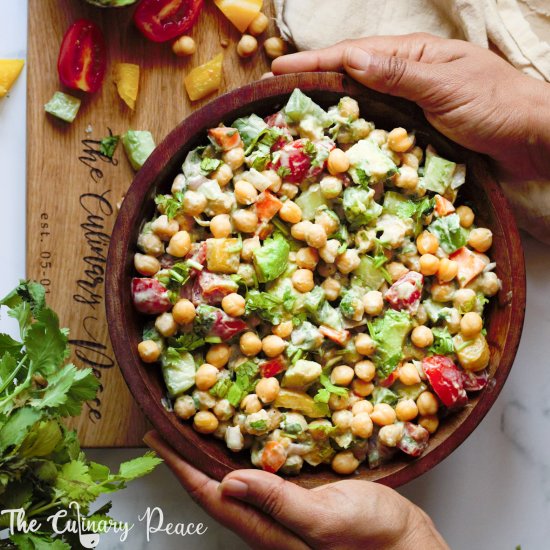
259,424
138,467
108,145
265,305
209,165
171,205
443,342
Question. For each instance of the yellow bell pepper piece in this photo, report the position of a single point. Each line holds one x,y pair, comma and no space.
240,12
126,77
204,79
10,69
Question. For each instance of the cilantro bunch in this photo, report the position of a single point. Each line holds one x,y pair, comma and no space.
42,468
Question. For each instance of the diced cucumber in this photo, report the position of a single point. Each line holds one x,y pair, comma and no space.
63,106
138,144
309,201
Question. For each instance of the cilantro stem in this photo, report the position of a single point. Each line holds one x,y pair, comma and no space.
41,509
14,374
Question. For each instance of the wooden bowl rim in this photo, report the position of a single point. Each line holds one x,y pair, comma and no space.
184,439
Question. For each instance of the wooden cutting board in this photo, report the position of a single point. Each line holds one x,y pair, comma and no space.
72,191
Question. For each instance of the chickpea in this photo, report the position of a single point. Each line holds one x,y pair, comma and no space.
150,244
406,410
332,288
302,280
145,264
184,407
220,226
224,410
164,227
267,389
290,212
194,203
233,304
408,159
429,422
342,419
418,153
223,175
463,297
475,355
204,399
337,162
273,345
407,178
149,351
409,375
390,435
348,108
274,179
348,261
234,158
338,402
316,236
396,270
245,192
466,216
471,324
206,376
429,264
179,245
289,190
364,345
480,239
250,344
490,283
326,270
184,46
274,47
362,406
307,258
283,330
399,140
328,221
183,312
422,336
365,370
186,223
249,245
165,324
329,252
251,404
258,25
448,270
245,221
427,403
361,425
178,184
380,137
247,45
299,230
442,292
218,355
383,414
205,422
342,375
427,243
421,315
373,302
362,388
344,463
331,187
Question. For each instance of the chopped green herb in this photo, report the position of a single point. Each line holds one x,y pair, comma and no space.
108,145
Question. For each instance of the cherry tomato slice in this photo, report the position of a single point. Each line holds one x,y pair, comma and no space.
406,292
162,20
272,367
446,380
82,57
150,296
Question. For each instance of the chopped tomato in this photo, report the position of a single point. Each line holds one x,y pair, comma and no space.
273,456
225,138
470,265
406,292
387,382
162,20
339,336
82,57
295,160
272,367
226,327
150,296
475,381
265,230
443,207
267,205
446,380
414,440
210,288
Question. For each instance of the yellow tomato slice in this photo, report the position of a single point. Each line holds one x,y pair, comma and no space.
126,77
10,69
204,79
240,12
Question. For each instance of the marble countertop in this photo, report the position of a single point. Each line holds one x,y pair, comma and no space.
493,492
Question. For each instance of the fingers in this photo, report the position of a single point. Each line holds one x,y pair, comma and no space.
255,528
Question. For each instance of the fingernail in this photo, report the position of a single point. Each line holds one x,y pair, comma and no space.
356,58
234,488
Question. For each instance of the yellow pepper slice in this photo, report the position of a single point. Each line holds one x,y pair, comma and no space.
204,79
10,69
240,12
126,77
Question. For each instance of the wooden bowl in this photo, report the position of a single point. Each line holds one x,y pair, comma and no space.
505,314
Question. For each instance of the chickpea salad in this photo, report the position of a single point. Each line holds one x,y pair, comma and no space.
313,293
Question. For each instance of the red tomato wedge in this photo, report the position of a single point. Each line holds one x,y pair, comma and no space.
83,57
446,380
162,20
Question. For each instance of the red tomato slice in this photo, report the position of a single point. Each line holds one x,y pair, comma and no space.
272,367
446,380
273,456
82,57
150,296
406,292
162,20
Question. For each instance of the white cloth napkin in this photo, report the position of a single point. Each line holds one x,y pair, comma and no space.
312,24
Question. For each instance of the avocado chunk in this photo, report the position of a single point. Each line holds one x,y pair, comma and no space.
178,371
368,163
301,374
359,206
138,144
309,201
271,259
438,174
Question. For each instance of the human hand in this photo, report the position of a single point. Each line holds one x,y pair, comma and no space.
273,514
468,93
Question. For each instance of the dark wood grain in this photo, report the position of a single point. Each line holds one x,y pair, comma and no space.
482,192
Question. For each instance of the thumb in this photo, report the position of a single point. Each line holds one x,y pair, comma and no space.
391,74
289,504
